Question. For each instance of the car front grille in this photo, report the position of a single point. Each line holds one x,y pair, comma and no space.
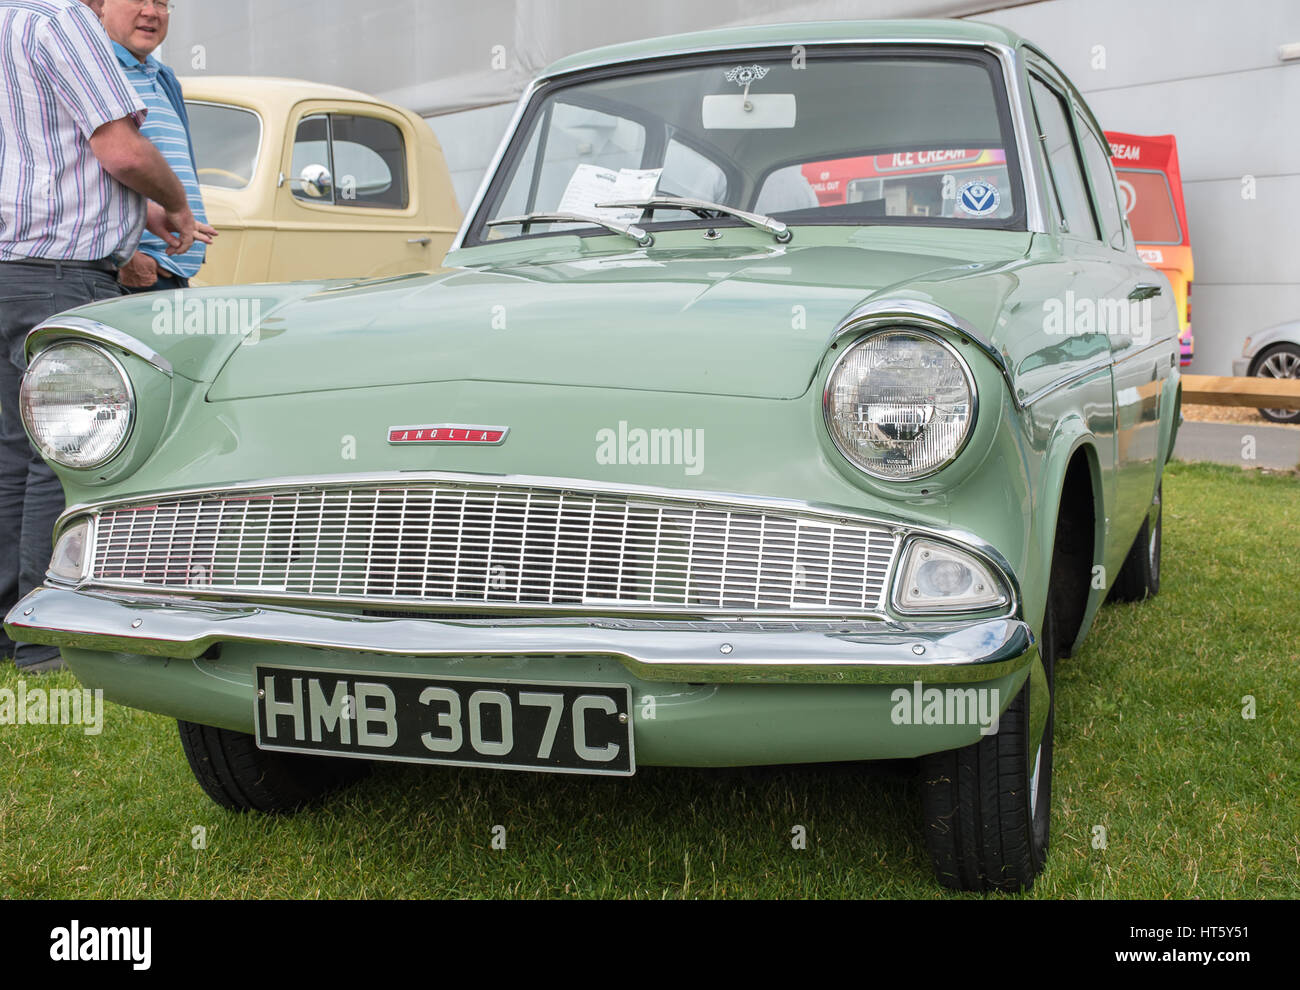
468,545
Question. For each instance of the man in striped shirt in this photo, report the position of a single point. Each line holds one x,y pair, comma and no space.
137,29
78,182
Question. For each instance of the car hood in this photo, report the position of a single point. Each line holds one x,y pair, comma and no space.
753,319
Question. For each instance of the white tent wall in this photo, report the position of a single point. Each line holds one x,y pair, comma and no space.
1205,70
438,56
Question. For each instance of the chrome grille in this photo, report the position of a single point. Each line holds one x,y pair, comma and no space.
457,545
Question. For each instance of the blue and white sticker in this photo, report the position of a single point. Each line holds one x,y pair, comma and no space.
978,198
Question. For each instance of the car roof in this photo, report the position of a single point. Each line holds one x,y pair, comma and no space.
934,30
266,91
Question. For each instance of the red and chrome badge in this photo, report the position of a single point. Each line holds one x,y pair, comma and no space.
449,433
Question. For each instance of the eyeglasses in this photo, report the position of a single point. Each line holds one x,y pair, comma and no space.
160,6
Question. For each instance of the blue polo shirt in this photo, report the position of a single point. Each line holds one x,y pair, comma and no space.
164,128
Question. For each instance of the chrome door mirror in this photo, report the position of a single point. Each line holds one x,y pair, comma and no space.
316,182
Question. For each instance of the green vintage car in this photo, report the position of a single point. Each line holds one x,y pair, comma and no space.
791,394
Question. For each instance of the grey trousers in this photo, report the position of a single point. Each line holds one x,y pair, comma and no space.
31,497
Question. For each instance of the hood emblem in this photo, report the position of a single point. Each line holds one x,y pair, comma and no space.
489,436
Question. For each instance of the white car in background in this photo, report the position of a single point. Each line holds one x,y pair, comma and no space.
1272,353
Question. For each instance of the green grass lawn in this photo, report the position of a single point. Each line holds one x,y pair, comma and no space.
1195,800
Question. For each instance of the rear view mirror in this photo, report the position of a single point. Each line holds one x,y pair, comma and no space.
755,111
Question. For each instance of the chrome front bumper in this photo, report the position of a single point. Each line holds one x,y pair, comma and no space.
722,651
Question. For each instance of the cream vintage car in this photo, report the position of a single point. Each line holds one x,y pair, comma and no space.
308,181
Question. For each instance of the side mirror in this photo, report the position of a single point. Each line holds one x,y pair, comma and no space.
316,181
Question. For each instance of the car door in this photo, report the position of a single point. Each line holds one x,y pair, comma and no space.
349,203
1139,322
1087,278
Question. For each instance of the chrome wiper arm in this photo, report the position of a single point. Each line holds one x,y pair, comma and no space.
642,238
776,228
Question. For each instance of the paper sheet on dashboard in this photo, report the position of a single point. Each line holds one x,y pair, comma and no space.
591,184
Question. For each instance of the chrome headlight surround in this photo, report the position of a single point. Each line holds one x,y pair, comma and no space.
842,443
39,436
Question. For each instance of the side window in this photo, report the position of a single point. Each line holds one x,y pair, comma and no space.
1103,185
350,160
1058,139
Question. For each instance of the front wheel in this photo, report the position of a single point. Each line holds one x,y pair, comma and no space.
987,806
239,776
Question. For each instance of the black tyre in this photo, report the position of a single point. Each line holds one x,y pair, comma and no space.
987,807
239,776
1139,577
1281,361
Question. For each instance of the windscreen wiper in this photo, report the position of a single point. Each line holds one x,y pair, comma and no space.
642,238
702,208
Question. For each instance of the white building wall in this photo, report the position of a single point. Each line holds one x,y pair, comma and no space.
1208,72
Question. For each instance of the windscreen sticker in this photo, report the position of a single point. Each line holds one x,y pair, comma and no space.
978,198
591,184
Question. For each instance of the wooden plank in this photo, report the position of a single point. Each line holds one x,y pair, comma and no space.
1254,393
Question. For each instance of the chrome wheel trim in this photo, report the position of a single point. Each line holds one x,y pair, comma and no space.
1283,364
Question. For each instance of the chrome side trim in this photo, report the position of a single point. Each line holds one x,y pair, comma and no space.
495,163
809,653
1035,212
78,327
1092,367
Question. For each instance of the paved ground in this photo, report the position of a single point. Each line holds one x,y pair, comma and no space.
1230,443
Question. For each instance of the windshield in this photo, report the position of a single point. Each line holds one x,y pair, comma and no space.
226,143
922,137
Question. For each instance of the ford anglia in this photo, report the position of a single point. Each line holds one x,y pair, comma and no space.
680,460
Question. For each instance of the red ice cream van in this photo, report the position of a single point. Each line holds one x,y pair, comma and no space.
1152,190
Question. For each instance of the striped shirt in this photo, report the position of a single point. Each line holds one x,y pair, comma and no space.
165,130
62,82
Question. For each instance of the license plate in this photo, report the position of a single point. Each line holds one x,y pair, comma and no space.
508,725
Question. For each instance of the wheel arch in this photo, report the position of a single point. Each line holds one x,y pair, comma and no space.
1075,516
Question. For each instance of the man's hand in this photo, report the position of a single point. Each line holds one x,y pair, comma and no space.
177,228
141,272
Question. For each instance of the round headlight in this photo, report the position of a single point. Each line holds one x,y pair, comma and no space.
900,404
77,405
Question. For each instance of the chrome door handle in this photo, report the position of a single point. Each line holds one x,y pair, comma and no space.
422,241
1145,290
